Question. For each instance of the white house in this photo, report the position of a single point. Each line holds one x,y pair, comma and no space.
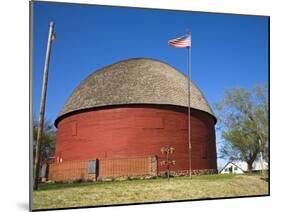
232,168
242,167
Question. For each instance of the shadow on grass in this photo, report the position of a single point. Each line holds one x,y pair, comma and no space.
264,179
216,177
65,185
55,186
73,184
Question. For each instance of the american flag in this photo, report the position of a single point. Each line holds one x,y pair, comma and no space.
181,42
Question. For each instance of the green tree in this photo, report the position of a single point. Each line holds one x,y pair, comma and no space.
243,121
48,140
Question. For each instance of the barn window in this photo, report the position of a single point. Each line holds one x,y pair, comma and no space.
74,128
92,166
235,168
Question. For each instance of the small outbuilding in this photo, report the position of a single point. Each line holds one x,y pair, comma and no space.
242,167
232,168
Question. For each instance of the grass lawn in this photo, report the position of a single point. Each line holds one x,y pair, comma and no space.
152,190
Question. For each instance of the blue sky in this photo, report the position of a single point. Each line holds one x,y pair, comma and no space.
227,50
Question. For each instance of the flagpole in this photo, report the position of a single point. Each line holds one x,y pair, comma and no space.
185,42
188,50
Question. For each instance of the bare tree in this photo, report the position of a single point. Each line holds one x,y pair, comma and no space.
243,120
48,140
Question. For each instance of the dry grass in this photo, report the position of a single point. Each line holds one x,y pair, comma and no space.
153,190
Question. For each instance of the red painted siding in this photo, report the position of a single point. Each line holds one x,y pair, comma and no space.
127,131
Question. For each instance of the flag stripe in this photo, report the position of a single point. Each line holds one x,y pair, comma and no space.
181,42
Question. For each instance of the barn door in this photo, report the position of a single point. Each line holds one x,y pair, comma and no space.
93,167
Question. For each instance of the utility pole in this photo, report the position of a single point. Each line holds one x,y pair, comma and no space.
42,109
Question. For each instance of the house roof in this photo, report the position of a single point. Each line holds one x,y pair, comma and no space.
135,81
232,164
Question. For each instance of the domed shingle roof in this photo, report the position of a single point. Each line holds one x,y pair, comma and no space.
135,81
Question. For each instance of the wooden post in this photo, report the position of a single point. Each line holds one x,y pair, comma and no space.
42,110
261,161
168,162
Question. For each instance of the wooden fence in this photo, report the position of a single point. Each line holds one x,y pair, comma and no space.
114,167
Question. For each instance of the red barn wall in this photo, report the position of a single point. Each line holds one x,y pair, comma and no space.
112,168
131,131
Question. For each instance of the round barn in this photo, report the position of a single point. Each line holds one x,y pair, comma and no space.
118,119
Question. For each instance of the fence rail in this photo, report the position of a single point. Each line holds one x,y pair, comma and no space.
113,167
